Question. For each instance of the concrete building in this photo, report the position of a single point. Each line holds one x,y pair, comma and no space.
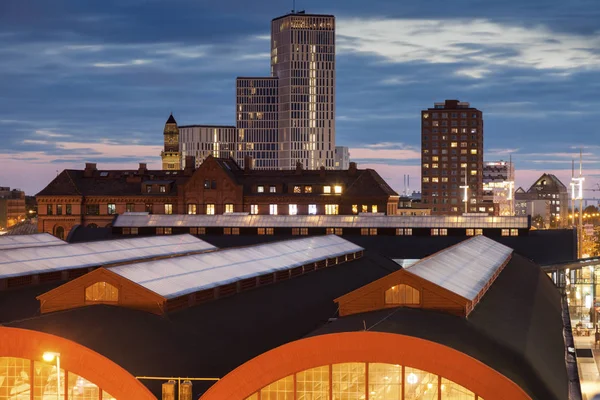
452,152
342,157
201,141
12,207
547,198
171,155
499,185
303,58
257,122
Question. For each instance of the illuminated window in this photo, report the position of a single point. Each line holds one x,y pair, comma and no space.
478,232
365,208
169,208
228,208
162,189
272,189
260,189
505,232
331,209
254,209
473,172
425,165
453,144
425,179
102,291
514,232
312,209
434,179
374,208
435,232
313,383
192,209
337,189
81,388
348,381
420,384
307,189
273,209
354,208
283,389
385,381
210,209
297,189
327,189
408,231
470,232
434,165
451,390
425,115
402,294
473,151
293,209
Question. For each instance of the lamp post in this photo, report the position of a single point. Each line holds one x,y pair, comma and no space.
49,356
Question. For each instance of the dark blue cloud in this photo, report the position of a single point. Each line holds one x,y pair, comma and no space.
88,71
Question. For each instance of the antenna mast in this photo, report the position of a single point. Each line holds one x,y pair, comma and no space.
294,7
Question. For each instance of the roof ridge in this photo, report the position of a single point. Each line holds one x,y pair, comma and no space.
72,182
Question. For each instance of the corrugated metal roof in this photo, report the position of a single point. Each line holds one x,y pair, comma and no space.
28,261
18,241
465,268
330,221
175,277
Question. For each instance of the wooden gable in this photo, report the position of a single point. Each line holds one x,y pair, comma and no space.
371,297
72,294
226,190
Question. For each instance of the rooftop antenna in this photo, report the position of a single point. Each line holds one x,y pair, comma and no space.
294,7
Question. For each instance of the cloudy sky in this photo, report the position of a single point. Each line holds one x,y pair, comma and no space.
95,80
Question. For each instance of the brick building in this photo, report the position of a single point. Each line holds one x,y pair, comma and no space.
93,197
12,207
452,158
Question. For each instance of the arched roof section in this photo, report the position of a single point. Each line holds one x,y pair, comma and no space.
101,371
364,346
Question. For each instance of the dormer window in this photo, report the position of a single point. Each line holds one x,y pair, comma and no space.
402,295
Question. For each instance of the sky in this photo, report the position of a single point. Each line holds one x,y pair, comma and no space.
95,81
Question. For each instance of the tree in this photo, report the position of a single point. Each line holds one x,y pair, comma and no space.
538,221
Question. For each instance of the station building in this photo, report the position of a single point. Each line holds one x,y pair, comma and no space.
320,317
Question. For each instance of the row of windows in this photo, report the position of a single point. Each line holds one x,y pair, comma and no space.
452,123
327,189
452,115
452,130
361,381
59,209
330,209
328,231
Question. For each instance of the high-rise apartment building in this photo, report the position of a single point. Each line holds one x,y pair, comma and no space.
452,159
201,141
342,157
257,108
303,58
499,185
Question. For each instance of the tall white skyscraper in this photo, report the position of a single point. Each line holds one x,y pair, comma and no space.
303,58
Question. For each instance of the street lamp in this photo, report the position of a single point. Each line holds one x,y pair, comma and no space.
49,356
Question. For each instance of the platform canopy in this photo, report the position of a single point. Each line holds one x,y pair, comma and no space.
176,277
38,240
38,260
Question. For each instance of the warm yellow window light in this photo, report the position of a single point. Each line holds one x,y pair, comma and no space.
337,189
49,356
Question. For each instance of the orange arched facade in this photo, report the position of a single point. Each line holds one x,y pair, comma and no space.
27,344
372,347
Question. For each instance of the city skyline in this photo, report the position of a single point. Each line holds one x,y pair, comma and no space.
95,85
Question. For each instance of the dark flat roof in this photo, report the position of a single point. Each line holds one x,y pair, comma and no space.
303,15
206,126
257,77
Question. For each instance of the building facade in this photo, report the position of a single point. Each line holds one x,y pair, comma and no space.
171,156
499,185
201,141
12,207
257,121
342,157
303,59
546,201
93,197
452,158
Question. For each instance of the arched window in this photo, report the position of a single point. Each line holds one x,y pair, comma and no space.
402,294
101,292
59,232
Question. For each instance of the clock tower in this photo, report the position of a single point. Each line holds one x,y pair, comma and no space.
171,156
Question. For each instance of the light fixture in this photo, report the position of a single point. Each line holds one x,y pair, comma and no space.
49,356
412,378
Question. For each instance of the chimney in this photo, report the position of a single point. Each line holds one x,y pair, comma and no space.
142,169
352,169
89,170
299,168
322,171
190,165
247,164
